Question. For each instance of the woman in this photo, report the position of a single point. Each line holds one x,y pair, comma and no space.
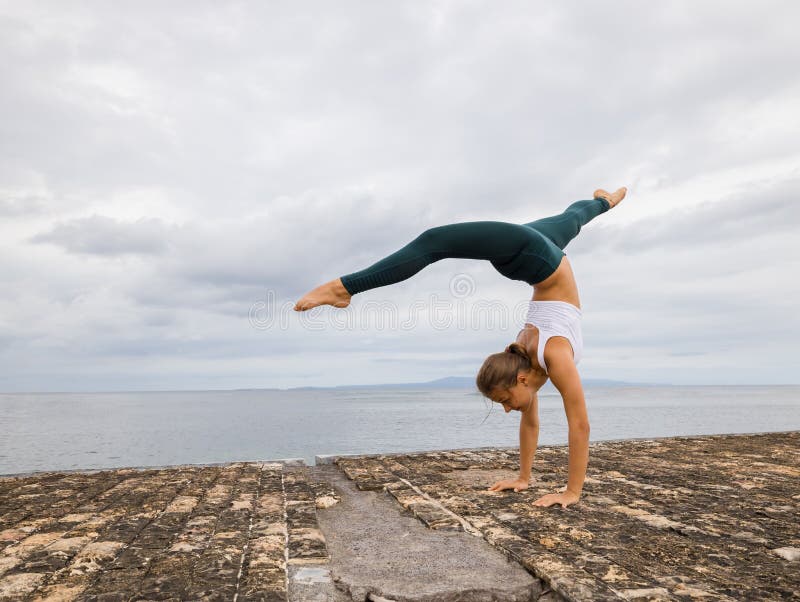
550,343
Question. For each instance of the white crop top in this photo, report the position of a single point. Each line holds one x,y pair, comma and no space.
556,318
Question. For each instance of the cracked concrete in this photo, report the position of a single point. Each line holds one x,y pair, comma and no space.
378,550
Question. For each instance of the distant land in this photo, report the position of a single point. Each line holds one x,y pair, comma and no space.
468,382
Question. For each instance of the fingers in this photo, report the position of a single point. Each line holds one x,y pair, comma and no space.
552,499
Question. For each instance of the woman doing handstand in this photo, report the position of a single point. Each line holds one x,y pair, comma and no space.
550,343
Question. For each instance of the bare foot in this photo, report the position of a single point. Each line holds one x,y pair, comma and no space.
612,198
331,293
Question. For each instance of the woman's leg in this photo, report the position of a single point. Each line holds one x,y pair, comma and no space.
498,242
516,251
528,252
562,228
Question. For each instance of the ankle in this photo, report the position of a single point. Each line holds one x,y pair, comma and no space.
338,287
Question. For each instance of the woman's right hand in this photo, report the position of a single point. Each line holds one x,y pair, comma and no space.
515,484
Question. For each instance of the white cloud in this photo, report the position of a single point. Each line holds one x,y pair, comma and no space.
182,162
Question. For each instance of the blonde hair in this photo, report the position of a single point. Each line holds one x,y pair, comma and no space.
499,370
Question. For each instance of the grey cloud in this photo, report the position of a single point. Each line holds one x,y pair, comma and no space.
499,112
289,250
765,210
24,205
159,346
100,235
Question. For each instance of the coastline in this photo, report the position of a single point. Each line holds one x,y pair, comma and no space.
321,459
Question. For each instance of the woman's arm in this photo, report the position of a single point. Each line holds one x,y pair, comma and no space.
564,376
528,439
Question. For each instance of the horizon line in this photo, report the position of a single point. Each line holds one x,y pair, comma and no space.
616,383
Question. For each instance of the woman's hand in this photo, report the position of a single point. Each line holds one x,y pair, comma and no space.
564,498
515,484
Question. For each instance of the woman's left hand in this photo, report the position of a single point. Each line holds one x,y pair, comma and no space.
565,499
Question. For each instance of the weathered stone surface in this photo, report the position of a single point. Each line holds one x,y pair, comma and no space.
711,518
788,553
19,585
432,513
306,542
325,495
144,535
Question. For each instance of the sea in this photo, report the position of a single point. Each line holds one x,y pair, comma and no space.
77,431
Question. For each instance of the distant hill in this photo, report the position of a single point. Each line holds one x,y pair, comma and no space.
468,382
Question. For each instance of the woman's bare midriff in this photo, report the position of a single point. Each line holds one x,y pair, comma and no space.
559,286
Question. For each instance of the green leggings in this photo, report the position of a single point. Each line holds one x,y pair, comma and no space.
529,252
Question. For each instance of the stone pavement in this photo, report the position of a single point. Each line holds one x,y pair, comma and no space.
686,518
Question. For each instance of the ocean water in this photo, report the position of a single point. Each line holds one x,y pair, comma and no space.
67,431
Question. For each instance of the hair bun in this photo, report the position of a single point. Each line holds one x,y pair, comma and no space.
516,349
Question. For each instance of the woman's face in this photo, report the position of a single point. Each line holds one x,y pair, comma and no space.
517,398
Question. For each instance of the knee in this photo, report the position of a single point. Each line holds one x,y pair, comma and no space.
575,220
428,237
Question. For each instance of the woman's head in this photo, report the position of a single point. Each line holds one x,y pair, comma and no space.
505,377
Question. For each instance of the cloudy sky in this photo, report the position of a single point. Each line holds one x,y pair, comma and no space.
174,177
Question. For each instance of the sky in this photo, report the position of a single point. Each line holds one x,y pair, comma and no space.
174,176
